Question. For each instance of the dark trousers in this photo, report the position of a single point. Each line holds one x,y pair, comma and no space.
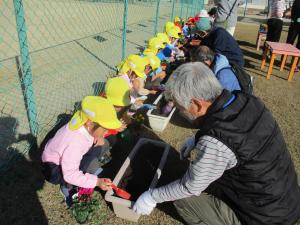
88,164
274,29
294,32
205,210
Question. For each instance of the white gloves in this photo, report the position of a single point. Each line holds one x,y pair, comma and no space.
187,147
145,204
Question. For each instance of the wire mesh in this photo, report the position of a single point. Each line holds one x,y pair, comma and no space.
73,47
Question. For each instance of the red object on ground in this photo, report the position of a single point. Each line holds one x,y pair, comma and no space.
121,193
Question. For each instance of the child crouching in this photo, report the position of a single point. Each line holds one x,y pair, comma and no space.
67,160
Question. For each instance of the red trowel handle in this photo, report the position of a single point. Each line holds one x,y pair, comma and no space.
121,193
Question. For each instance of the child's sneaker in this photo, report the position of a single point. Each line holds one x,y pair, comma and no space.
68,193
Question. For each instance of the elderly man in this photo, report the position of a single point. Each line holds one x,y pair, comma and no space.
219,64
242,162
219,40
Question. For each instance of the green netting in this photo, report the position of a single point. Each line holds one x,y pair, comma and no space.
55,52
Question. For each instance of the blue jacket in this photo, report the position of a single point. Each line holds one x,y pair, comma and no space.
165,53
224,73
220,41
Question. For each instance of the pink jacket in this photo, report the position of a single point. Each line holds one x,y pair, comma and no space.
67,148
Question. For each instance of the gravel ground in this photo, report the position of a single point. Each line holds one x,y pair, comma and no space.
27,199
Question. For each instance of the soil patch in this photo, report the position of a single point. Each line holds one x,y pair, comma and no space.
139,174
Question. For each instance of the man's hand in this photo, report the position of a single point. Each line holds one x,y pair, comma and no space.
145,204
187,147
104,184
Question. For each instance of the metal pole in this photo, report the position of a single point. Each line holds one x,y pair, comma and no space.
245,8
26,79
172,14
156,16
187,10
125,14
181,8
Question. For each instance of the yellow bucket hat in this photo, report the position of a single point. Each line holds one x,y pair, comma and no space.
119,67
117,91
154,61
98,110
136,64
168,26
149,51
155,43
163,37
173,33
177,29
177,19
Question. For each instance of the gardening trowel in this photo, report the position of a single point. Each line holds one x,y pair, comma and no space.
120,192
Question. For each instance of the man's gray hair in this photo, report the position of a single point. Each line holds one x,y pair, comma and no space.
202,53
192,80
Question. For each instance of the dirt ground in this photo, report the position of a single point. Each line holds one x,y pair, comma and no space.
26,199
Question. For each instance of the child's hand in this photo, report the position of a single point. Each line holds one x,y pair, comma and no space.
104,184
98,141
123,127
139,102
152,92
163,67
127,118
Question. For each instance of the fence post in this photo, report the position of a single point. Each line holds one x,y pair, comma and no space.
181,8
193,8
173,7
125,14
156,16
187,9
26,79
245,9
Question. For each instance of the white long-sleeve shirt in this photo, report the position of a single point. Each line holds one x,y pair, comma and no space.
277,8
213,158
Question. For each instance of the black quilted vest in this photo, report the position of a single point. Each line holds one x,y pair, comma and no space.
262,188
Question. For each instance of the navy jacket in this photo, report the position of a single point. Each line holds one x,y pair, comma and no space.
262,189
220,41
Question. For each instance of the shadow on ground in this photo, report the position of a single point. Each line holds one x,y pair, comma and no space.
20,183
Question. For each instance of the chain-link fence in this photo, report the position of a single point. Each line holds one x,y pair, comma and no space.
55,52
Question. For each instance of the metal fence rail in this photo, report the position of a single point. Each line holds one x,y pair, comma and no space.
55,52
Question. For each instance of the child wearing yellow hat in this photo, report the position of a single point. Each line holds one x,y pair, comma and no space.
130,69
67,158
155,74
133,71
154,45
117,92
169,38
